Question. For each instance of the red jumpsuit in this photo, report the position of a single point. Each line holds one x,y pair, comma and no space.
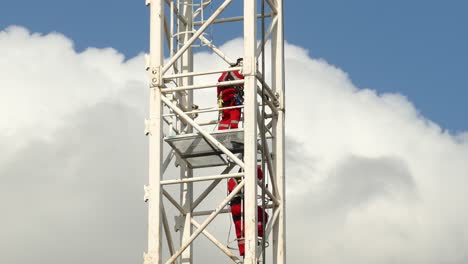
230,96
238,213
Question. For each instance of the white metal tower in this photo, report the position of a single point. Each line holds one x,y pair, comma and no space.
177,134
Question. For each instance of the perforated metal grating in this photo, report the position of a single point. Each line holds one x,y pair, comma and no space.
200,153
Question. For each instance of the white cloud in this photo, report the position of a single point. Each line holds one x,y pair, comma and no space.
369,179
44,79
382,184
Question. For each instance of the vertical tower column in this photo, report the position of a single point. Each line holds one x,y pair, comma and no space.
278,85
186,103
154,131
250,131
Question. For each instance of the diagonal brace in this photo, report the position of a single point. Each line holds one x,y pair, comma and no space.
196,35
205,134
206,222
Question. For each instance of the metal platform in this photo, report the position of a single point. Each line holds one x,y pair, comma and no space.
200,153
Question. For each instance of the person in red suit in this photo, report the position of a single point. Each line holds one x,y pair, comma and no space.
233,96
230,96
237,212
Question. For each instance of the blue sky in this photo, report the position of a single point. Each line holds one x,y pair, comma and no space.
416,48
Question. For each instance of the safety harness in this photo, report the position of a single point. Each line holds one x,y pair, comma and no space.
237,99
237,199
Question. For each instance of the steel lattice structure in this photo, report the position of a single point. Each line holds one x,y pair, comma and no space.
176,27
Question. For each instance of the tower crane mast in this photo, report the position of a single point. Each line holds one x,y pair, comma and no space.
183,138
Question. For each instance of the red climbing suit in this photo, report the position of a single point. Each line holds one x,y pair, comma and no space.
238,213
230,96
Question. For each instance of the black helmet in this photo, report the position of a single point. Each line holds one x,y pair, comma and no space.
238,62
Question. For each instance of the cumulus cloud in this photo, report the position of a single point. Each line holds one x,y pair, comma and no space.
380,183
44,79
370,180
